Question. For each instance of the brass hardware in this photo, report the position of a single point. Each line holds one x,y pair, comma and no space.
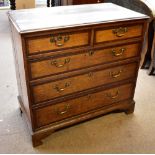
115,75
59,40
91,52
113,96
119,53
89,96
90,74
67,107
58,89
56,62
120,32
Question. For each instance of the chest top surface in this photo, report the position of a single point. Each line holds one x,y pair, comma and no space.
38,19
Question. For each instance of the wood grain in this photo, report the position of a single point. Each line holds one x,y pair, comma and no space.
35,45
77,106
91,79
87,59
108,35
31,20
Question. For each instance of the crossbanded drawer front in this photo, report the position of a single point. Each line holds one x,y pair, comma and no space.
91,57
53,113
58,41
50,90
117,33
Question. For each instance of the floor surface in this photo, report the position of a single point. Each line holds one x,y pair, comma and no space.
114,133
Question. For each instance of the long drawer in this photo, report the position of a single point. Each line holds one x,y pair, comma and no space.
53,113
58,41
50,90
117,33
89,58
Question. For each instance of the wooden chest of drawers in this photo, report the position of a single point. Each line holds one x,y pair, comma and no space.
81,64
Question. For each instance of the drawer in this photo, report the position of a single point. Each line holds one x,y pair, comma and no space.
53,113
50,90
117,33
58,41
87,59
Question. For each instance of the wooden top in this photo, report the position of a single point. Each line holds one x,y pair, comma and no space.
38,19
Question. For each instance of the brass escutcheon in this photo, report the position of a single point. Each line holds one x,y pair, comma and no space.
89,96
91,52
90,74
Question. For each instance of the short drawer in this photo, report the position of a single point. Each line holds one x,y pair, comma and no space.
50,90
117,33
89,58
60,111
58,41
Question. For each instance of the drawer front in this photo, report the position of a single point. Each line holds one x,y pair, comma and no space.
83,104
93,57
117,33
58,41
88,80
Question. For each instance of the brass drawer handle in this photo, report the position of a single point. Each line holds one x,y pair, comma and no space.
59,40
56,62
67,107
118,53
58,89
120,32
113,96
115,75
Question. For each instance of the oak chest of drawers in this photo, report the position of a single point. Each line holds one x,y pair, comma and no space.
81,64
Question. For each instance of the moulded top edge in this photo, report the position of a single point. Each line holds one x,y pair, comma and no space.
39,19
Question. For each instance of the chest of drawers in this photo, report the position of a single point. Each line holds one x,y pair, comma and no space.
82,65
